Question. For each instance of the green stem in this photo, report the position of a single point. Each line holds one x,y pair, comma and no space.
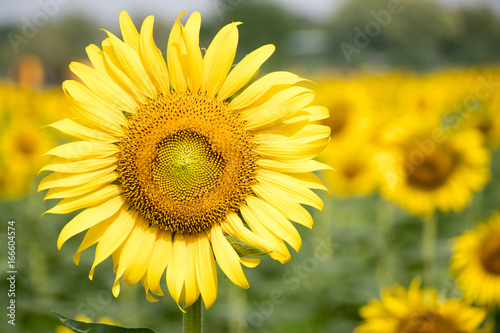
193,318
385,262
429,237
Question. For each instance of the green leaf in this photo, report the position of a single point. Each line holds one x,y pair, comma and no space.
243,249
82,327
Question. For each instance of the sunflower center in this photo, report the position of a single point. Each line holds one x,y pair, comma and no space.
426,322
490,255
186,166
338,118
433,171
351,170
186,162
25,145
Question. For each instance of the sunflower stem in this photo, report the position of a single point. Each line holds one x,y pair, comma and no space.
429,234
385,262
193,318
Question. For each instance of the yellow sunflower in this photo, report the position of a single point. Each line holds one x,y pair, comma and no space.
354,172
426,170
349,102
476,262
20,144
174,155
419,310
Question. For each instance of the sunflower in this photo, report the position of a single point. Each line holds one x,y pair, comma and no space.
425,171
176,154
419,310
476,262
354,167
348,101
20,144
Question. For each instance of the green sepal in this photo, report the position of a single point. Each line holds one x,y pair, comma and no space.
81,327
243,249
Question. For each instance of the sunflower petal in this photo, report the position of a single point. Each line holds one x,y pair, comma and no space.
71,127
110,93
160,258
219,58
257,89
250,262
278,106
115,235
191,35
129,32
69,205
151,58
176,271
136,254
68,192
244,71
191,290
92,107
57,179
275,221
65,165
237,228
206,272
296,190
279,251
82,149
88,218
96,57
227,258
130,63
283,203
92,236
176,53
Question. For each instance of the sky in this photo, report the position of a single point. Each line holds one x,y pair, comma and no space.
17,12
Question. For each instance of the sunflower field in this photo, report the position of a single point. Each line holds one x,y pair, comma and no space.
380,216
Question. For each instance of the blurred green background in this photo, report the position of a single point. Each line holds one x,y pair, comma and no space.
358,244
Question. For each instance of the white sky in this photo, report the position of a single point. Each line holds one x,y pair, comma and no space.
13,11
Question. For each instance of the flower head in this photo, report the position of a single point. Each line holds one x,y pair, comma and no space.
424,171
476,262
419,310
174,154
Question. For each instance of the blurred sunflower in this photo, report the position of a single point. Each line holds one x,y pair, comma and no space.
476,262
425,171
354,172
474,106
348,102
171,159
419,310
20,144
